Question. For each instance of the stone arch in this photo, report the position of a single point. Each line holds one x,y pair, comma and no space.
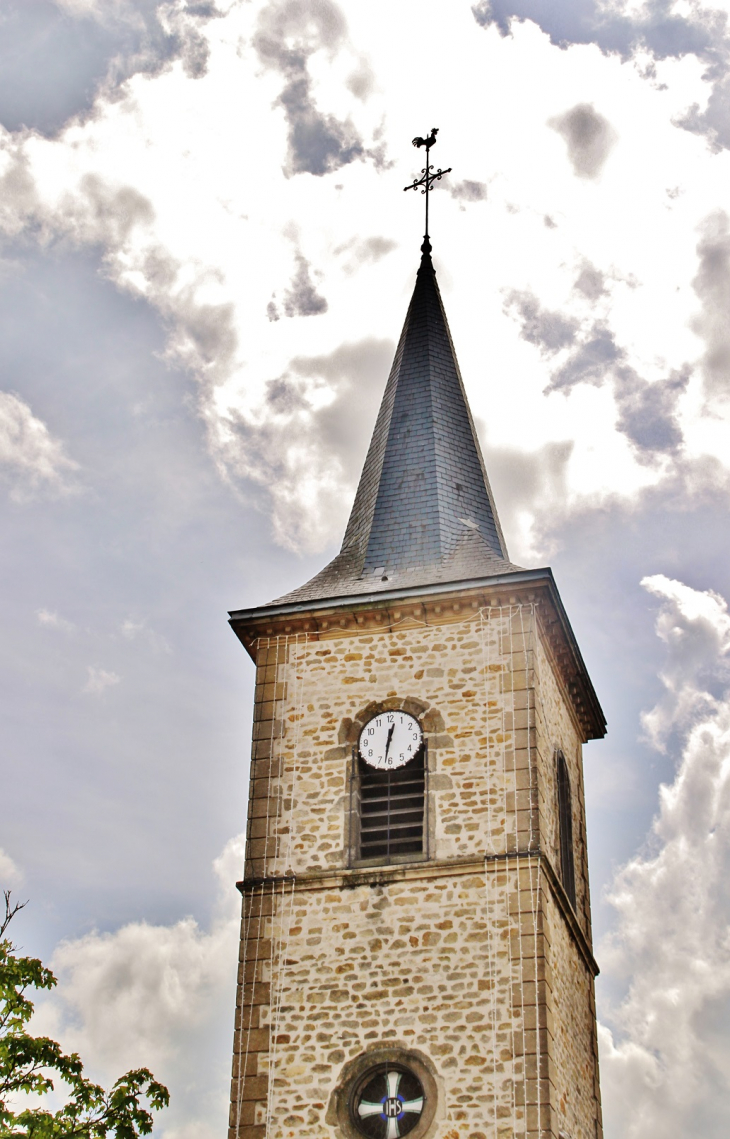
433,727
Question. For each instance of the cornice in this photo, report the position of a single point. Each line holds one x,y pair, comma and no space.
440,604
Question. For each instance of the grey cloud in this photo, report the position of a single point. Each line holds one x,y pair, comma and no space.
358,372
712,286
714,121
589,138
535,481
647,411
373,248
289,32
211,330
53,62
284,396
549,331
361,81
654,28
330,445
591,360
590,282
467,191
365,251
302,298
109,213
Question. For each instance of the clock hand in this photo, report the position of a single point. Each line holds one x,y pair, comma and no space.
391,729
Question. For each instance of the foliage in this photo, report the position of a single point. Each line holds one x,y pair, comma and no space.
27,1064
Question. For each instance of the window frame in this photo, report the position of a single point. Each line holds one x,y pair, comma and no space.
355,855
566,843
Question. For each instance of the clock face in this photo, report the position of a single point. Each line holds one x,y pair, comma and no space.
390,740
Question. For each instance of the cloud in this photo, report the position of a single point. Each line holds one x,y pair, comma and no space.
302,298
99,680
31,460
365,251
133,630
531,492
53,621
646,410
327,404
589,138
659,29
695,627
590,282
10,873
593,356
467,191
58,56
361,81
289,33
664,1064
712,286
157,996
549,331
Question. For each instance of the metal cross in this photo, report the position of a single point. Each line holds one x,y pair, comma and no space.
427,178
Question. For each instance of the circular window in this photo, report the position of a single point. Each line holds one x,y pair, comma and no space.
387,1102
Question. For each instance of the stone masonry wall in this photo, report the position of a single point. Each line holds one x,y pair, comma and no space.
556,728
447,956
471,679
570,988
574,1050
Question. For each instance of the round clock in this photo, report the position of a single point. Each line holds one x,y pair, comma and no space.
390,740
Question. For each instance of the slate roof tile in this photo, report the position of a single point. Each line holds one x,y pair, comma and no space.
423,512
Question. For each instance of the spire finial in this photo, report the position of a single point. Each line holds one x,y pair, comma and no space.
427,179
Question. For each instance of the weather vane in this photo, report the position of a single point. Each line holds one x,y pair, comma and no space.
427,179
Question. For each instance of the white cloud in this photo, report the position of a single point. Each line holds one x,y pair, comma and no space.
10,873
53,620
665,1065
158,996
158,179
99,679
695,627
132,629
31,460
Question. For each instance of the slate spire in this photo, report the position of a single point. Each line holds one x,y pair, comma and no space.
423,511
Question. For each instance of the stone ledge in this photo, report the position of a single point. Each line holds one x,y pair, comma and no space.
414,871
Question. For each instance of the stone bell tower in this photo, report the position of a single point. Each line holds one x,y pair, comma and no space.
416,934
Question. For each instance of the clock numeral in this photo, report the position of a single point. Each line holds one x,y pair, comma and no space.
371,731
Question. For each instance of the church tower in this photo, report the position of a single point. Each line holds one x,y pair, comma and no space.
416,953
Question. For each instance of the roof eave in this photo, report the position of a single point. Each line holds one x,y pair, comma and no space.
582,693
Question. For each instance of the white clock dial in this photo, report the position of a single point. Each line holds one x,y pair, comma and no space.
390,740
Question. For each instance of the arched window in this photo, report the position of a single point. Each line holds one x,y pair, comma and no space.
390,809
565,824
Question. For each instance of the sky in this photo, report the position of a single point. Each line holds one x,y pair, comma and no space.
206,257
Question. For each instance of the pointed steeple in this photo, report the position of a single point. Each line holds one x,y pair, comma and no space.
423,511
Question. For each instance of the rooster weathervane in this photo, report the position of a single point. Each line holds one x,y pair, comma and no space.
427,179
